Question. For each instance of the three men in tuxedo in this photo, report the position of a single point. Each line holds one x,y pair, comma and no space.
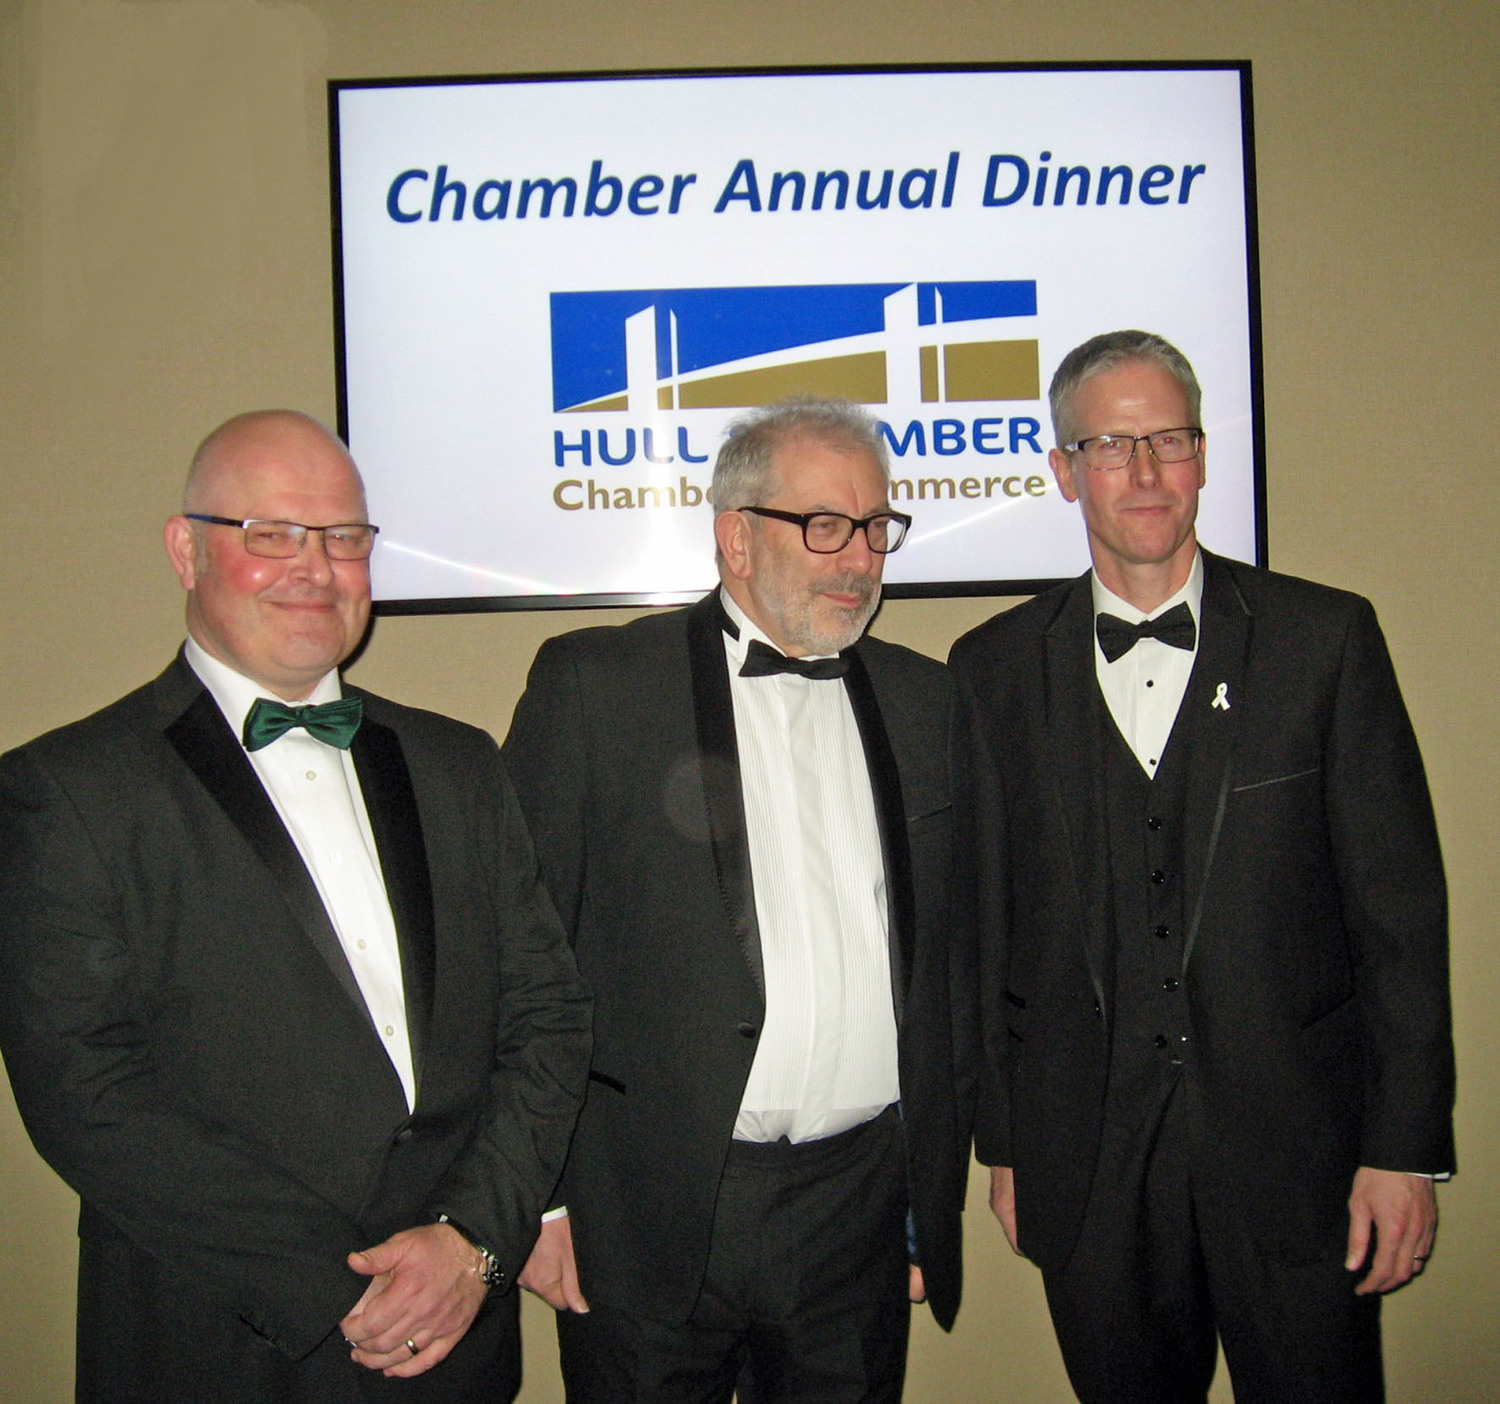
281,995
742,811
1212,934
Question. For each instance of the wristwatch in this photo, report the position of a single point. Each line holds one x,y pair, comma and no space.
490,1271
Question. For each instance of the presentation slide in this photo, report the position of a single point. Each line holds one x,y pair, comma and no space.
553,294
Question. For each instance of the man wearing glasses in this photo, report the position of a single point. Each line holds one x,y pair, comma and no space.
1212,934
742,811
280,989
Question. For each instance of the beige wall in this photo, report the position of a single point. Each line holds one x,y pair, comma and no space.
164,262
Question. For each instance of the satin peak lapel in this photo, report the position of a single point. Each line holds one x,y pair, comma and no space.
1217,707
1074,716
391,803
890,814
202,737
719,767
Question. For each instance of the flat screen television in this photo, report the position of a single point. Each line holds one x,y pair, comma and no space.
553,292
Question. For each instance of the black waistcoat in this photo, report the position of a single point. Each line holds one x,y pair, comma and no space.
1150,1029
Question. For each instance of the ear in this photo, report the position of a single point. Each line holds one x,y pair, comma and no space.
732,533
1202,460
1061,464
181,543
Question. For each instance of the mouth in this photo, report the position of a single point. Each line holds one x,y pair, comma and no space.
306,606
849,594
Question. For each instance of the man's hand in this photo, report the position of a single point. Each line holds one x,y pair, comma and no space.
1003,1202
1402,1212
551,1271
424,1289
916,1288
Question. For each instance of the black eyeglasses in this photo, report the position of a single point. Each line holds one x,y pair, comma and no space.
829,532
1105,453
343,541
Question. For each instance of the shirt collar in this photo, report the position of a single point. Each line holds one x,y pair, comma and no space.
235,693
1107,602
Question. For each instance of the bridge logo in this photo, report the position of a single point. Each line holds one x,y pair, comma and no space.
728,348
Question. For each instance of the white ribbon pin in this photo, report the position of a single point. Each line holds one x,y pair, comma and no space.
1221,698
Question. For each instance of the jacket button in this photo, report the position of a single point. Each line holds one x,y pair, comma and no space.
404,1135
1153,823
1157,876
1169,984
1160,1040
748,1030
1098,1012
1161,932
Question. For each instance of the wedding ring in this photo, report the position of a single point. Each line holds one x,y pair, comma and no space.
412,1346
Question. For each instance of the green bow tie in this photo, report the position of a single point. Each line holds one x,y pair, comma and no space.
333,722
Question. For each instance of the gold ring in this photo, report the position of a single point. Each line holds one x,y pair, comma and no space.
412,1346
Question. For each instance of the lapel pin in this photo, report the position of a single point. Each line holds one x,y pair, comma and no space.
1221,698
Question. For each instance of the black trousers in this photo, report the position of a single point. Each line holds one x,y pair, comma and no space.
804,1300
1166,1267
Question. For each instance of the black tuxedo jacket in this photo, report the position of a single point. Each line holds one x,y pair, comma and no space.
187,1043
623,754
1315,945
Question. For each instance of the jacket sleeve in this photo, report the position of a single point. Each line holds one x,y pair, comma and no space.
499,1184
1390,874
76,1027
982,904
546,755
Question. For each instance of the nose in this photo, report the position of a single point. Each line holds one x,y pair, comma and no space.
857,555
311,562
1143,467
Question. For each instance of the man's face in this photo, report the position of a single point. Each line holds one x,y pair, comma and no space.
1140,515
281,623
806,602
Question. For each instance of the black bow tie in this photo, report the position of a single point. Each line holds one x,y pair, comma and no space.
1117,638
333,722
761,661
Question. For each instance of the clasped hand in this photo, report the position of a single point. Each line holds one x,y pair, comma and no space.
424,1293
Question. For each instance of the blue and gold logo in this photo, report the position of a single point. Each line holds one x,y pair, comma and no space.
727,348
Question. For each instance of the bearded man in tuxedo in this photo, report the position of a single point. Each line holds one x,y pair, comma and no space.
742,810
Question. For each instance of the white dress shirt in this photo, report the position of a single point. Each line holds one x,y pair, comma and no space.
1144,688
826,1060
316,792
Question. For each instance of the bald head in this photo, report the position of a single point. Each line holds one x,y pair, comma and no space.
281,621
252,437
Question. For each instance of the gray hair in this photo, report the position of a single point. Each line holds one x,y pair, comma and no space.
1105,353
744,469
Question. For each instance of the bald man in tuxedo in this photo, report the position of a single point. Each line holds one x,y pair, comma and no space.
281,995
